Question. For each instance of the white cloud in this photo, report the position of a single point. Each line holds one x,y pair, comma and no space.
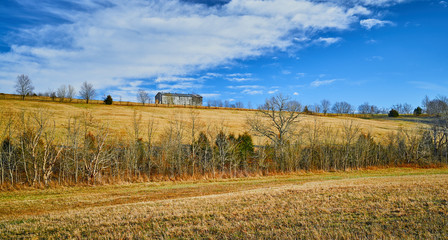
112,42
318,83
210,95
300,75
240,77
428,86
375,3
245,87
371,22
248,89
327,41
175,79
252,92
273,91
382,2
296,94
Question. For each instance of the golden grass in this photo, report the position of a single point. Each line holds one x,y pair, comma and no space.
120,118
387,203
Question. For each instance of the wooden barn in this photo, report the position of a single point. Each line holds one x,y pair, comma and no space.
178,99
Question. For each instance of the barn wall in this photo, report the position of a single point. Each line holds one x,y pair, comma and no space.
179,100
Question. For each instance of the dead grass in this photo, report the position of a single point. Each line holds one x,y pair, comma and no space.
119,118
392,203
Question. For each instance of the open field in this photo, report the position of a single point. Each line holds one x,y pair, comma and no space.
120,118
385,203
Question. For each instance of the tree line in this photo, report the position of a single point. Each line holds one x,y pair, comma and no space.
24,87
36,151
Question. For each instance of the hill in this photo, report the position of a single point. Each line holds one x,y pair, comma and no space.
120,118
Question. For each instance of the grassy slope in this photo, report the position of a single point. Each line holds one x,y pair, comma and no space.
386,203
119,118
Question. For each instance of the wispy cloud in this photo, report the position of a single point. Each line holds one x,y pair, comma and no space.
327,41
240,77
252,92
367,3
372,22
210,95
382,3
245,87
318,83
429,86
444,3
248,89
300,75
109,42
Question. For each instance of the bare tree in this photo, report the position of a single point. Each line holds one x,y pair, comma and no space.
239,105
350,131
52,94
425,103
437,106
364,108
142,96
50,153
405,108
61,92
316,108
325,106
70,92
249,105
24,86
342,107
87,91
276,118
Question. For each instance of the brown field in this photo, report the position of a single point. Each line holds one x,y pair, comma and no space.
120,118
392,203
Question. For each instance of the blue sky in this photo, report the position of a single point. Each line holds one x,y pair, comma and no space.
383,52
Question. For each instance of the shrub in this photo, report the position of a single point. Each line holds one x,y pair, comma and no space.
108,100
393,113
245,145
306,110
418,111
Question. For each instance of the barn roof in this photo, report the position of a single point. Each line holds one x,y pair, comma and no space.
179,94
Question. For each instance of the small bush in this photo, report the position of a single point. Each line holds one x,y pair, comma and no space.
306,110
108,100
245,145
418,111
393,113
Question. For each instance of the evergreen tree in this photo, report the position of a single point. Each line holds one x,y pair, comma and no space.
108,100
418,111
393,113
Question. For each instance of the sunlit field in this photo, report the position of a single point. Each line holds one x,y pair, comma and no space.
119,119
383,203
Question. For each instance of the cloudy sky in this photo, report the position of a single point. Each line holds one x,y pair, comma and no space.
380,51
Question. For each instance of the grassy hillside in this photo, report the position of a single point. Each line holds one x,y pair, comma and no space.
120,118
386,203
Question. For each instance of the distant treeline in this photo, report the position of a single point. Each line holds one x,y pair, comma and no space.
34,151
25,89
